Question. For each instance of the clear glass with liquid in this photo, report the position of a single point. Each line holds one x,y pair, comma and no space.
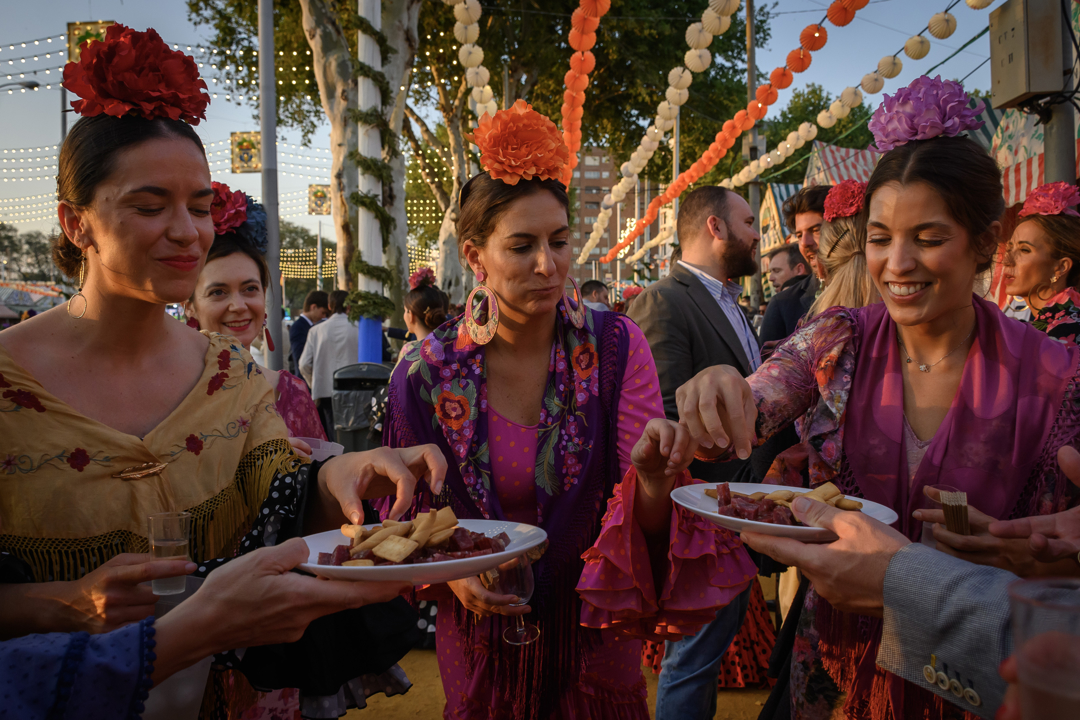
1046,634
169,534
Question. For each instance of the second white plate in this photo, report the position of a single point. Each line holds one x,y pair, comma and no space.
694,499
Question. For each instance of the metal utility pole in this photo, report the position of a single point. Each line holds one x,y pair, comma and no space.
1060,133
756,292
63,114
675,166
318,259
370,145
637,216
268,126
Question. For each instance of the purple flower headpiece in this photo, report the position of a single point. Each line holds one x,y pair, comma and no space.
927,108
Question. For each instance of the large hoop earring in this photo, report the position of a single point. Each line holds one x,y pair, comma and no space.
482,334
576,314
79,294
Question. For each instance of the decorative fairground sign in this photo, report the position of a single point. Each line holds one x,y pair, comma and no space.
80,32
318,199
246,152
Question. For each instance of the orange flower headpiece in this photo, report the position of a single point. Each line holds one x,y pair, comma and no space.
520,143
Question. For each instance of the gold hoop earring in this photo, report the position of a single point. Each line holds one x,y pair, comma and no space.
482,334
576,314
79,293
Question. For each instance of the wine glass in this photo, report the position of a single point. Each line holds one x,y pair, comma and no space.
516,578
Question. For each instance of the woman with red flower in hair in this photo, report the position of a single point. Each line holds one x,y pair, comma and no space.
1042,264
113,411
537,402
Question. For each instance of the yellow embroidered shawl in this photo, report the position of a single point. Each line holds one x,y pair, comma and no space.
64,510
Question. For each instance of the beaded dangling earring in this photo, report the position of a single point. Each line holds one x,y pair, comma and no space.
79,293
482,334
269,340
576,314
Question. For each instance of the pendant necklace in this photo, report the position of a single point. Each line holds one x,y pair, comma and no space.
923,367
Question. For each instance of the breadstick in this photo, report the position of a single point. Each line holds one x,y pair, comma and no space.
846,503
824,492
422,528
780,495
392,531
440,537
757,496
356,532
711,492
358,563
444,519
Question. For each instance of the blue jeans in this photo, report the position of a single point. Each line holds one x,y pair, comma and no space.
691,666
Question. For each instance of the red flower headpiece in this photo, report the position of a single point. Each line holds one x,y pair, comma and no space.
228,209
520,143
631,291
845,200
423,276
1055,198
136,72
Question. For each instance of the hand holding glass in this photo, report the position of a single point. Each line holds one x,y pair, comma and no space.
169,533
516,578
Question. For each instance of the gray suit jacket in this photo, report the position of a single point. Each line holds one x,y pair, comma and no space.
950,615
687,332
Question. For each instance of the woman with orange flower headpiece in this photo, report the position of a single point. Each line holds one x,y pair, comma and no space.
112,411
536,402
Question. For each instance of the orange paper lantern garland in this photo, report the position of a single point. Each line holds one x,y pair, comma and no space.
583,24
840,14
812,38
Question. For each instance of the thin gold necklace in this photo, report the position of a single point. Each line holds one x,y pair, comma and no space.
924,367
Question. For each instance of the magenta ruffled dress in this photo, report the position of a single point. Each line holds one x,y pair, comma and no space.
708,569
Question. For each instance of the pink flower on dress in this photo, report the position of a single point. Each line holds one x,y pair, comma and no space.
78,459
25,399
244,423
9,464
1055,198
193,444
845,200
216,383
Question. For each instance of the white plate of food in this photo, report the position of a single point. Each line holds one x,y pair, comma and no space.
770,503
435,548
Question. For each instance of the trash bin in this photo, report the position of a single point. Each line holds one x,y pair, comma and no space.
354,386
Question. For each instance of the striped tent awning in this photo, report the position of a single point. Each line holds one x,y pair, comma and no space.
991,118
831,164
1021,178
771,215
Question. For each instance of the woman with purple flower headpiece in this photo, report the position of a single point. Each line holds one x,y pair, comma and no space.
932,386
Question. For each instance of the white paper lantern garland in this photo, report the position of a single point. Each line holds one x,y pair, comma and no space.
714,21
471,56
941,26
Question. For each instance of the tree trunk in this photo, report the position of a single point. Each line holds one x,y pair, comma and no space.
332,60
399,23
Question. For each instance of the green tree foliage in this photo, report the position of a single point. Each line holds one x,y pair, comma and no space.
234,25
26,256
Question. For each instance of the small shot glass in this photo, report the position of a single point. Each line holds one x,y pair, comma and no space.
169,535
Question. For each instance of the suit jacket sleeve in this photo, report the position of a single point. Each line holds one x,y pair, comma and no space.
669,340
307,360
297,337
774,326
939,605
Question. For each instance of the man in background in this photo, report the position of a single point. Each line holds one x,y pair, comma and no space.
595,295
804,212
693,320
314,311
786,264
331,345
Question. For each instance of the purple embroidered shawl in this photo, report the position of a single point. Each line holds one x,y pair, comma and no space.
438,395
991,444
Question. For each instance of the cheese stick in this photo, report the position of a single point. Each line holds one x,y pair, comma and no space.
422,528
399,530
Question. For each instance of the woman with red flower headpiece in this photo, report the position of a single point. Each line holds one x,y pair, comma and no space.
1042,264
111,411
931,386
537,402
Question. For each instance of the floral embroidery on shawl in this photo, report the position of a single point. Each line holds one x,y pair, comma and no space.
1060,317
455,388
